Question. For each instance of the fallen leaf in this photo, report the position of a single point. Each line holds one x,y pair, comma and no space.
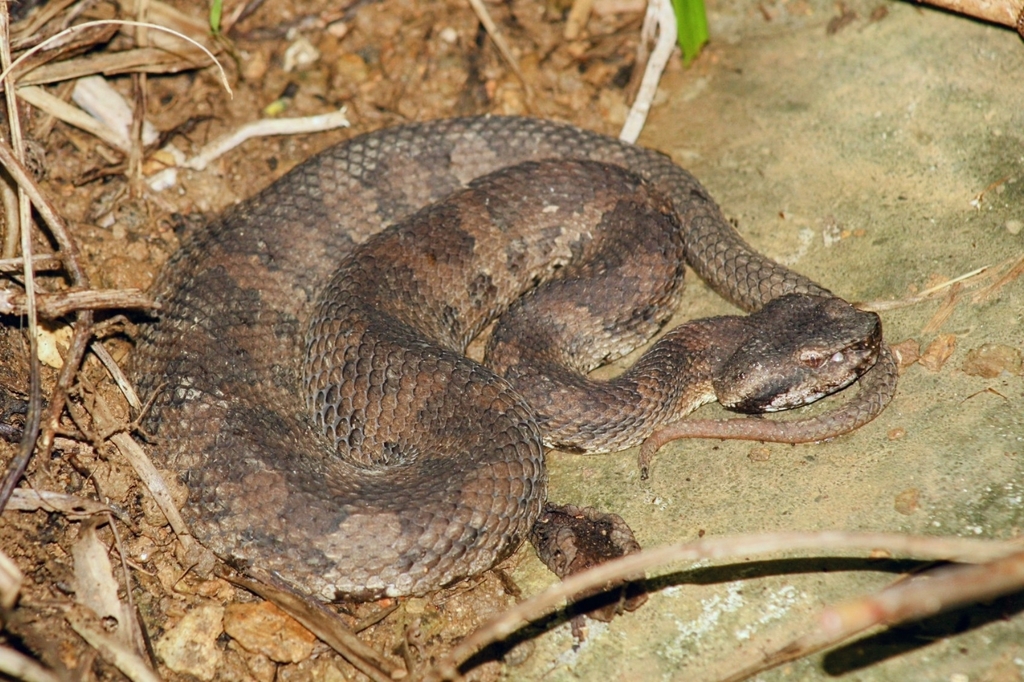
907,353
938,352
990,360
95,587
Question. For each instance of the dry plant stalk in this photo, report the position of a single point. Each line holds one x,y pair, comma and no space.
499,41
18,666
906,600
19,222
68,252
72,506
322,622
949,549
58,304
660,20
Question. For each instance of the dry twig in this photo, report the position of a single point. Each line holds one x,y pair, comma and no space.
322,622
82,328
918,597
72,506
264,127
660,20
499,41
58,304
1013,272
18,666
949,549
20,223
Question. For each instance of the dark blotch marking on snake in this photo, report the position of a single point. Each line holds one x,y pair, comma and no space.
416,467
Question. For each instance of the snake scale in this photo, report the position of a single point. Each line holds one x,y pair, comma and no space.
311,388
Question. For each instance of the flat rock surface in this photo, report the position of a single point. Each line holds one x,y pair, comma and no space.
882,159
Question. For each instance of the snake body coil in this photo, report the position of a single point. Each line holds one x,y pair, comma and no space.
314,396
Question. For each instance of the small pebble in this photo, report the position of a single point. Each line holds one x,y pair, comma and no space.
265,629
299,55
190,647
338,29
1014,226
908,501
759,455
255,66
350,68
261,667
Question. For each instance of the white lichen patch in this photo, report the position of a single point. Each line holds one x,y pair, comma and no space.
777,604
691,632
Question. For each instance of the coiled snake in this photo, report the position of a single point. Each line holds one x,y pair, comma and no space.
314,396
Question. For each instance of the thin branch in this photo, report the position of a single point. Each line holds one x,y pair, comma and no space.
101,352
41,262
1012,273
150,60
79,340
499,41
949,549
154,482
926,295
908,599
660,15
321,622
139,92
925,595
54,305
29,27
68,251
18,666
23,226
131,613
267,126
72,506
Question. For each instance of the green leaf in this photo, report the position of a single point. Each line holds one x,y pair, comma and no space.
692,21
217,7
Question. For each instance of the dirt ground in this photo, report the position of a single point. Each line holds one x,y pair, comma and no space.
875,146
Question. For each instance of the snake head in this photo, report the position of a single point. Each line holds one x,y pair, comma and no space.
799,349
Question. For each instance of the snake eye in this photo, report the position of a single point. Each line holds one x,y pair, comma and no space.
812,359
